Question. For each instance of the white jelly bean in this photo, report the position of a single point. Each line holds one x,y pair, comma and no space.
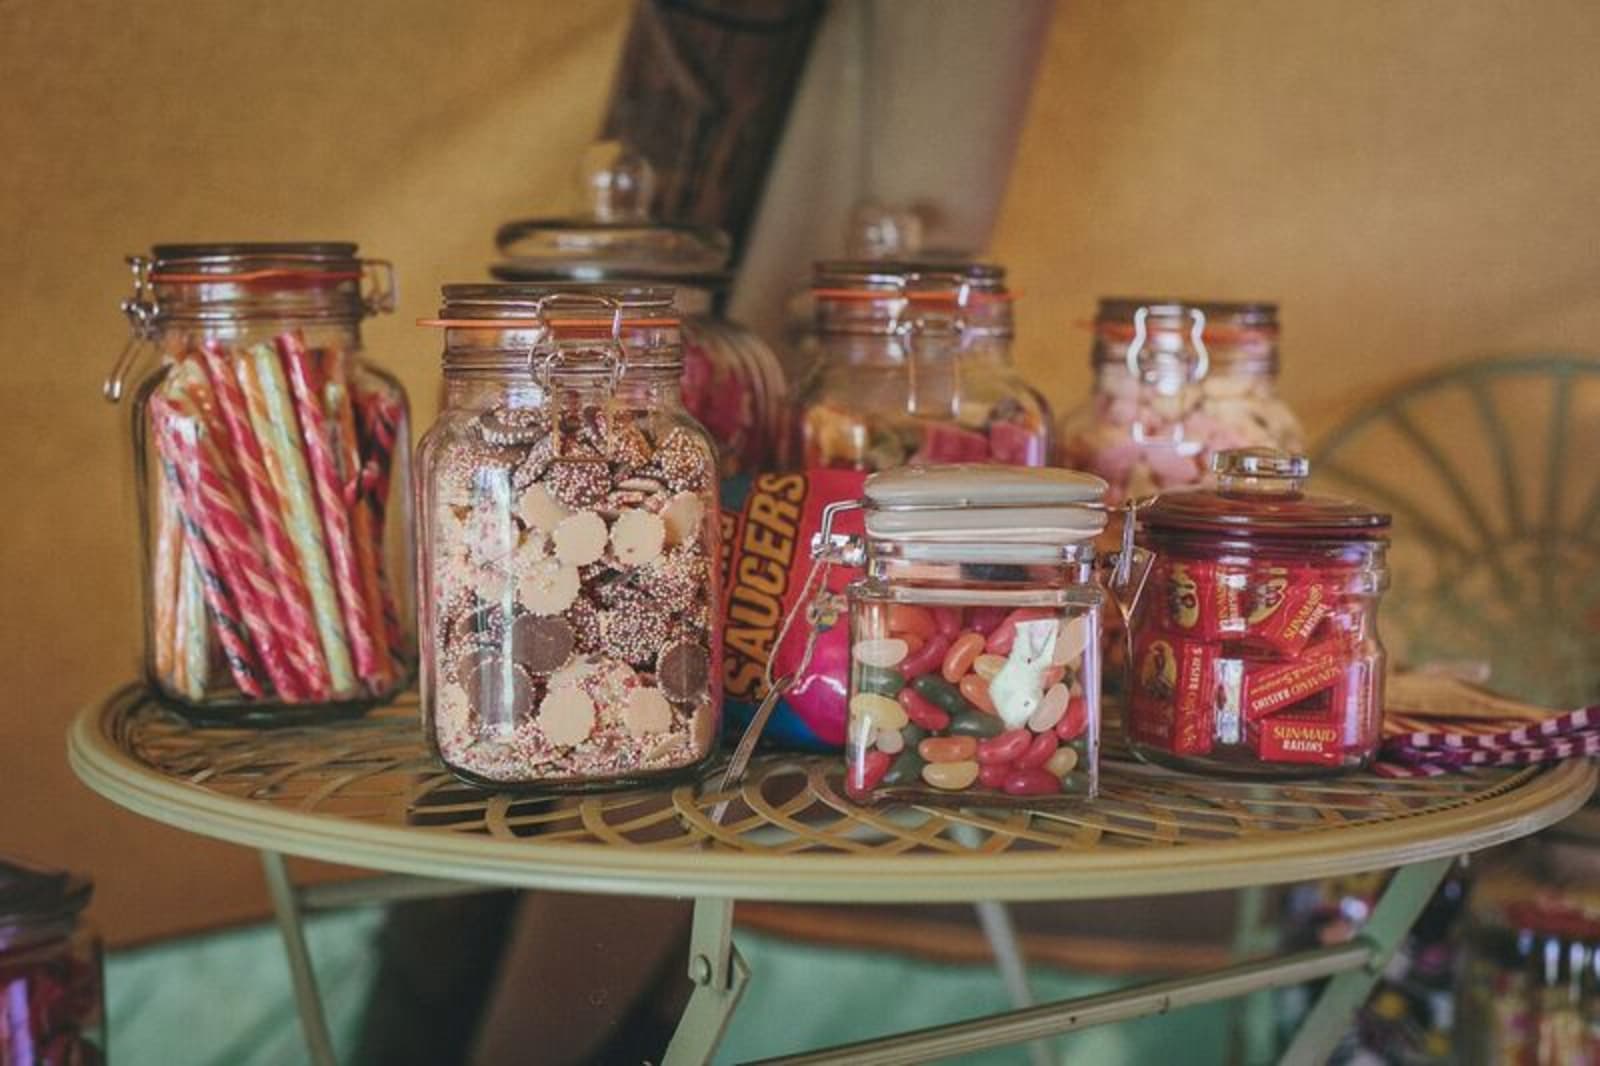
1051,708
880,651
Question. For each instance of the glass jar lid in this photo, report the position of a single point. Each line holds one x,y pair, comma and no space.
618,239
254,280
1260,493
886,297
32,896
1141,330
987,506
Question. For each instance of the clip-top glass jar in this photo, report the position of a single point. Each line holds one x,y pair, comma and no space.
1255,640
733,383
51,1001
914,366
974,636
569,543
277,578
1174,383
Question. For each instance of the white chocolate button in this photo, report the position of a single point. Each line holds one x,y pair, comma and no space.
637,537
646,712
566,717
548,588
539,509
581,538
682,516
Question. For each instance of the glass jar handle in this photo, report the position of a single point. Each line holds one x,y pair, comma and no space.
1198,367
1260,472
141,309
379,292
1169,400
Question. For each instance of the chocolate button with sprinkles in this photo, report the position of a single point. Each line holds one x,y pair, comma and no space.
499,691
683,669
541,645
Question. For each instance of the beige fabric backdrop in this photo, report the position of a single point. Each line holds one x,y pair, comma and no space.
1413,179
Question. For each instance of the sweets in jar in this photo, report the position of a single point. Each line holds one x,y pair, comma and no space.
569,553
1175,383
276,542
973,643
913,366
52,1010
1255,640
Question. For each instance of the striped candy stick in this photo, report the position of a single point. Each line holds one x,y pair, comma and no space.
267,398
164,581
225,522
297,629
382,413
176,457
347,453
192,663
305,382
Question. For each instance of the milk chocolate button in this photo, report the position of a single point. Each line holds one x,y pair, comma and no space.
566,717
683,670
548,588
637,537
499,691
682,516
541,645
581,538
647,711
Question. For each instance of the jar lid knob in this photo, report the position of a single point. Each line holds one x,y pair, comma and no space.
1260,471
618,183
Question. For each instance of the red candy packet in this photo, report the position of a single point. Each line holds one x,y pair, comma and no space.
1174,694
1269,689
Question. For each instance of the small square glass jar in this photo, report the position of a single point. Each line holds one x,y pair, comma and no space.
974,637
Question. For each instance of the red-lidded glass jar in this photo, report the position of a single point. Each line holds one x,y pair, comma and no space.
51,999
1255,641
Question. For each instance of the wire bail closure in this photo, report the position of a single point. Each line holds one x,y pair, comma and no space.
141,309
1196,369
614,352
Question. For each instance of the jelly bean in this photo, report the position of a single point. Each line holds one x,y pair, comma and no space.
976,690
986,666
904,618
881,711
927,658
906,768
914,643
1039,750
941,694
864,772
950,776
1051,708
948,749
993,774
890,742
1063,762
1034,781
861,733
1076,719
880,651
1005,634
885,681
1005,748
964,650
1052,676
912,735
920,711
1070,641
976,724
985,619
947,620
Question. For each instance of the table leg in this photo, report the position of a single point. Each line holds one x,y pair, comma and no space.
719,974
1396,911
286,908
1001,933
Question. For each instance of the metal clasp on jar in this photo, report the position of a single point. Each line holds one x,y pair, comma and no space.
1168,377
141,309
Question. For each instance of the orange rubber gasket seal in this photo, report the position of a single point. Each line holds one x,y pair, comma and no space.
1118,332
255,275
912,295
543,323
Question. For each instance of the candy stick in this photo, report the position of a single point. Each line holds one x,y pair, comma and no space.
192,665
176,456
266,393
382,411
297,628
224,519
336,399
305,381
164,580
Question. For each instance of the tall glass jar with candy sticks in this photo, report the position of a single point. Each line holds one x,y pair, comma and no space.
272,464
914,366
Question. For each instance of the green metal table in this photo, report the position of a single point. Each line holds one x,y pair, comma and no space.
367,793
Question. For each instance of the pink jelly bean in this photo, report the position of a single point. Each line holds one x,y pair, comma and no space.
985,619
1031,782
921,711
864,772
1074,721
1005,634
947,620
1040,748
927,658
993,775
1007,748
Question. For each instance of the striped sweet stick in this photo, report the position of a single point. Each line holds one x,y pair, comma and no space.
296,627
305,382
381,414
175,457
164,583
192,664
224,520
266,393
336,402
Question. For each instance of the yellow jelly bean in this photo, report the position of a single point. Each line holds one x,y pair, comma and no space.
880,710
950,776
1063,762
986,666
880,651
1051,708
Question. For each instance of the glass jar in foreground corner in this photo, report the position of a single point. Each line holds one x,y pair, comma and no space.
51,1009
1175,383
974,650
570,637
272,466
1255,641
914,367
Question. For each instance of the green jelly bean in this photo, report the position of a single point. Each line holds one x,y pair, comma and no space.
906,768
975,724
914,734
885,681
942,694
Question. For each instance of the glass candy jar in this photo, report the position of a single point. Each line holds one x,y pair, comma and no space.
733,383
974,650
277,551
51,998
914,366
1255,640
569,543
1175,383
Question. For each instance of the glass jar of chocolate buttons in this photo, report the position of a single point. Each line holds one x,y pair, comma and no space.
569,543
